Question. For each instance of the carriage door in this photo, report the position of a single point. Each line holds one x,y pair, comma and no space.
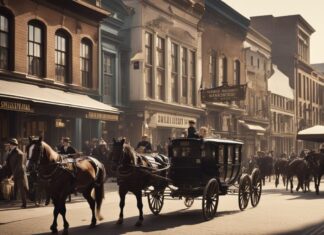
228,162
221,161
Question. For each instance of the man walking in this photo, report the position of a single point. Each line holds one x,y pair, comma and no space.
16,163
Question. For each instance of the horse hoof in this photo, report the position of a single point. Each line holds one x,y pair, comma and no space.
120,221
54,229
92,225
138,223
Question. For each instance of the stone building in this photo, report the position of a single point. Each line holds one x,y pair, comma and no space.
255,124
165,68
290,36
48,70
224,31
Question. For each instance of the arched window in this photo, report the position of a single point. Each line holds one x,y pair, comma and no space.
6,39
62,56
237,72
36,43
86,62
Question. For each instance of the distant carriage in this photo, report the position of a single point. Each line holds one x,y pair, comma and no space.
207,168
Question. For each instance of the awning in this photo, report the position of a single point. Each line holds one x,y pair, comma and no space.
315,133
252,127
50,96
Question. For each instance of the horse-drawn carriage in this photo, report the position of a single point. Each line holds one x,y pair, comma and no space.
206,168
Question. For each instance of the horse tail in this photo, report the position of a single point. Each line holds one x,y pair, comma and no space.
99,191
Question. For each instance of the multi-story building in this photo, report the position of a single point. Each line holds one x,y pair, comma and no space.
290,36
224,31
283,129
255,128
165,68
48,70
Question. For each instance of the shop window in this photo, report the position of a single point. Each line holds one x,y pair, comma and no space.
36,45
86,62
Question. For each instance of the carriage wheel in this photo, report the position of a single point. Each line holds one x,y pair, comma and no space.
210,199
155,201
244,191
189,201
256,187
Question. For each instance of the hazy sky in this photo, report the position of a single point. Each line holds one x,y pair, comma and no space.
311,10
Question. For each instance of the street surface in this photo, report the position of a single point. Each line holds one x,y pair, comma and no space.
279,212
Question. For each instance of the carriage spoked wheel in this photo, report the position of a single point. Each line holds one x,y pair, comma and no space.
244,191
155,201
188,201
210,199
256,187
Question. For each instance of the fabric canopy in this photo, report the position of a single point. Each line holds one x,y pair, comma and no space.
36,94
315,133
252,127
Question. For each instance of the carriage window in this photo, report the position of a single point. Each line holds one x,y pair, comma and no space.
237,153
221,154
230,154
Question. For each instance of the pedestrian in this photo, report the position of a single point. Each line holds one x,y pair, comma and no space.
144,146
192,132
102,152
203,132
67,149
86,148
16,163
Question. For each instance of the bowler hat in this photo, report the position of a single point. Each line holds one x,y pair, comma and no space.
192,121
13,141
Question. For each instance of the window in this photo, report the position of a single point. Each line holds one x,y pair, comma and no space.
299,85
174,72
4,42
192,76
252,60
36,48
303,46
184,66
237,72
222,71
109,78
160,68
258,63
62,56
148,64
212,69
86,62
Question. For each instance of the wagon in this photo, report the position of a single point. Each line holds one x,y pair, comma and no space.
205,169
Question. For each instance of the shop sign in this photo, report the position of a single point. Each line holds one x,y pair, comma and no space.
169,120
102,116
224,93
59,123
16,106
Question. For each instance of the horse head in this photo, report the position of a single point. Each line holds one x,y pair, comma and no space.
116,153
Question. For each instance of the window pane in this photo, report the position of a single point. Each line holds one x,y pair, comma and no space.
3,40
3,23
38,36
63,44
30,48
36,50
31,33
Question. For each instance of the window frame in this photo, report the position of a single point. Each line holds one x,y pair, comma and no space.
86,62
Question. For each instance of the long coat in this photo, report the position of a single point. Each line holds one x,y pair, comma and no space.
16,162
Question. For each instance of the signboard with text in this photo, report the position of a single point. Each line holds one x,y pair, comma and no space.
223,93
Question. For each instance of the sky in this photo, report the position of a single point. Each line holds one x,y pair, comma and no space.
311,10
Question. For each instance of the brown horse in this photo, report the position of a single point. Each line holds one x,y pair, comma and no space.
316,165
134,173
280,168
298,167
85,175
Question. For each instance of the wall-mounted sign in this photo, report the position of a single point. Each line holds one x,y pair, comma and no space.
59,123
102,116
223,93
170,120
16,106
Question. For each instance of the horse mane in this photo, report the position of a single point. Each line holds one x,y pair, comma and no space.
131,152
50,152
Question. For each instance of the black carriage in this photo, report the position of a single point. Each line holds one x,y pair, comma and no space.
207,168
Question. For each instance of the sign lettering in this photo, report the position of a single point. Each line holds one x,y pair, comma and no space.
102,116
16,106
224,93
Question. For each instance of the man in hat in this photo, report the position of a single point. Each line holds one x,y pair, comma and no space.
192,132
67,149
16,162
144,145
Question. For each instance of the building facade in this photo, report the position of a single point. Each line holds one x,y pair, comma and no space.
224,31
282,136
255,124
48,72
165,68
290,36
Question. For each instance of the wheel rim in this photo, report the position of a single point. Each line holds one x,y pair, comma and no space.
210,200
256,189
244,192
155,201
188,201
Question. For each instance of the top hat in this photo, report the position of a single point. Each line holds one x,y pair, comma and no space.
13,141
192,121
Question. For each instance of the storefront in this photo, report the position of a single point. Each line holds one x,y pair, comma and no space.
27,110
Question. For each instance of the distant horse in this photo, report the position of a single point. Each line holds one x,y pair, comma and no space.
265,165
85,175
316,165
280,168
135,173
298,167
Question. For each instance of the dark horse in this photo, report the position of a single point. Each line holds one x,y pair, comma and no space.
316,165
135,173
298,167
85,175
265,165
280,168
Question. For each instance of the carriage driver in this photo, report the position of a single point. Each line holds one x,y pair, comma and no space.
67,149
144,146
192,132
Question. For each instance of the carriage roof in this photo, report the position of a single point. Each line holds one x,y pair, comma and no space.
211,140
